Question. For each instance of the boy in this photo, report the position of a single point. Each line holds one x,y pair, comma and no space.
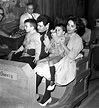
30,50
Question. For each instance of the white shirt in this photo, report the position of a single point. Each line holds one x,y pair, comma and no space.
32,41
27,16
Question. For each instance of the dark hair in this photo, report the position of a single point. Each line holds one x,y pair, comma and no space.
79,24
44,18
32,22
28,4
63,26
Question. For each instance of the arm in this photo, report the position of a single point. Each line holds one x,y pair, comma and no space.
37,47
22,19
76,48
21,48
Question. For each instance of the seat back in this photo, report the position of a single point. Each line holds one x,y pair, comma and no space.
17,85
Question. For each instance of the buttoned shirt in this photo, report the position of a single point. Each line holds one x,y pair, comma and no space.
32,41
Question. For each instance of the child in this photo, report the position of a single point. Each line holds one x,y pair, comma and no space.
56,50
29,51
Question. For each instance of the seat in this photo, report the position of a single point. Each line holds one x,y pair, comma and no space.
73,93
94,65
94,56
17,86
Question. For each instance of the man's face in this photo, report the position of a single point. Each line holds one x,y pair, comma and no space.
41,27
1,14
30,9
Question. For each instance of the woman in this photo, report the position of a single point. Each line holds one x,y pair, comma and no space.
66,67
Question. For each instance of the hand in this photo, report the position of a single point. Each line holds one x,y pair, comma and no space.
42,60
36,60
46,41
10,55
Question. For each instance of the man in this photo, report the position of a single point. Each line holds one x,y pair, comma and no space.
28,15
43,22
87,34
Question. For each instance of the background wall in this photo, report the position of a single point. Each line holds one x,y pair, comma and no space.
93,12
56,9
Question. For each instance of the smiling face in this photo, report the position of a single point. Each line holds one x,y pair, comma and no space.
59,31
71,27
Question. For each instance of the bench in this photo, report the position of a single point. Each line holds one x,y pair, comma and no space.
17,86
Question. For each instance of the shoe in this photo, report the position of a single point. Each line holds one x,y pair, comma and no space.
46,102
51,86
37,97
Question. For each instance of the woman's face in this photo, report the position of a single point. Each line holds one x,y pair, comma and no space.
71,27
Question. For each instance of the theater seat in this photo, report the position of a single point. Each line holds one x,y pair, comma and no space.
94,61
17,86
70,95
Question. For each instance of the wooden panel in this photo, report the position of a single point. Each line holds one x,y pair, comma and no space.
17,83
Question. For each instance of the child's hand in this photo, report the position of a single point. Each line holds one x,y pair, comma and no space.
46,41
62,41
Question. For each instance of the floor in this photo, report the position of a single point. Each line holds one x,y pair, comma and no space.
92,85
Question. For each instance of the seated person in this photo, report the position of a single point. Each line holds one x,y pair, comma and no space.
87,35
30,50
56,50
1,19
28,15
44,23
66,67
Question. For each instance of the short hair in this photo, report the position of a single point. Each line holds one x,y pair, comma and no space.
44,18
79,24
63,26
32,22
28,4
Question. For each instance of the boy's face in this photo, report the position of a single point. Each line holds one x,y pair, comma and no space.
28,27
41,27
59,31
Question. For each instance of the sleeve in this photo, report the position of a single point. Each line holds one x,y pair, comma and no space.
22,19
37,46
87,35
77,46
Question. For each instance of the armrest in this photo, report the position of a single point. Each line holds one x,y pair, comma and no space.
80,61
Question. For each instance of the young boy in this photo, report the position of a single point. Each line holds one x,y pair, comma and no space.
30,50
56,50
